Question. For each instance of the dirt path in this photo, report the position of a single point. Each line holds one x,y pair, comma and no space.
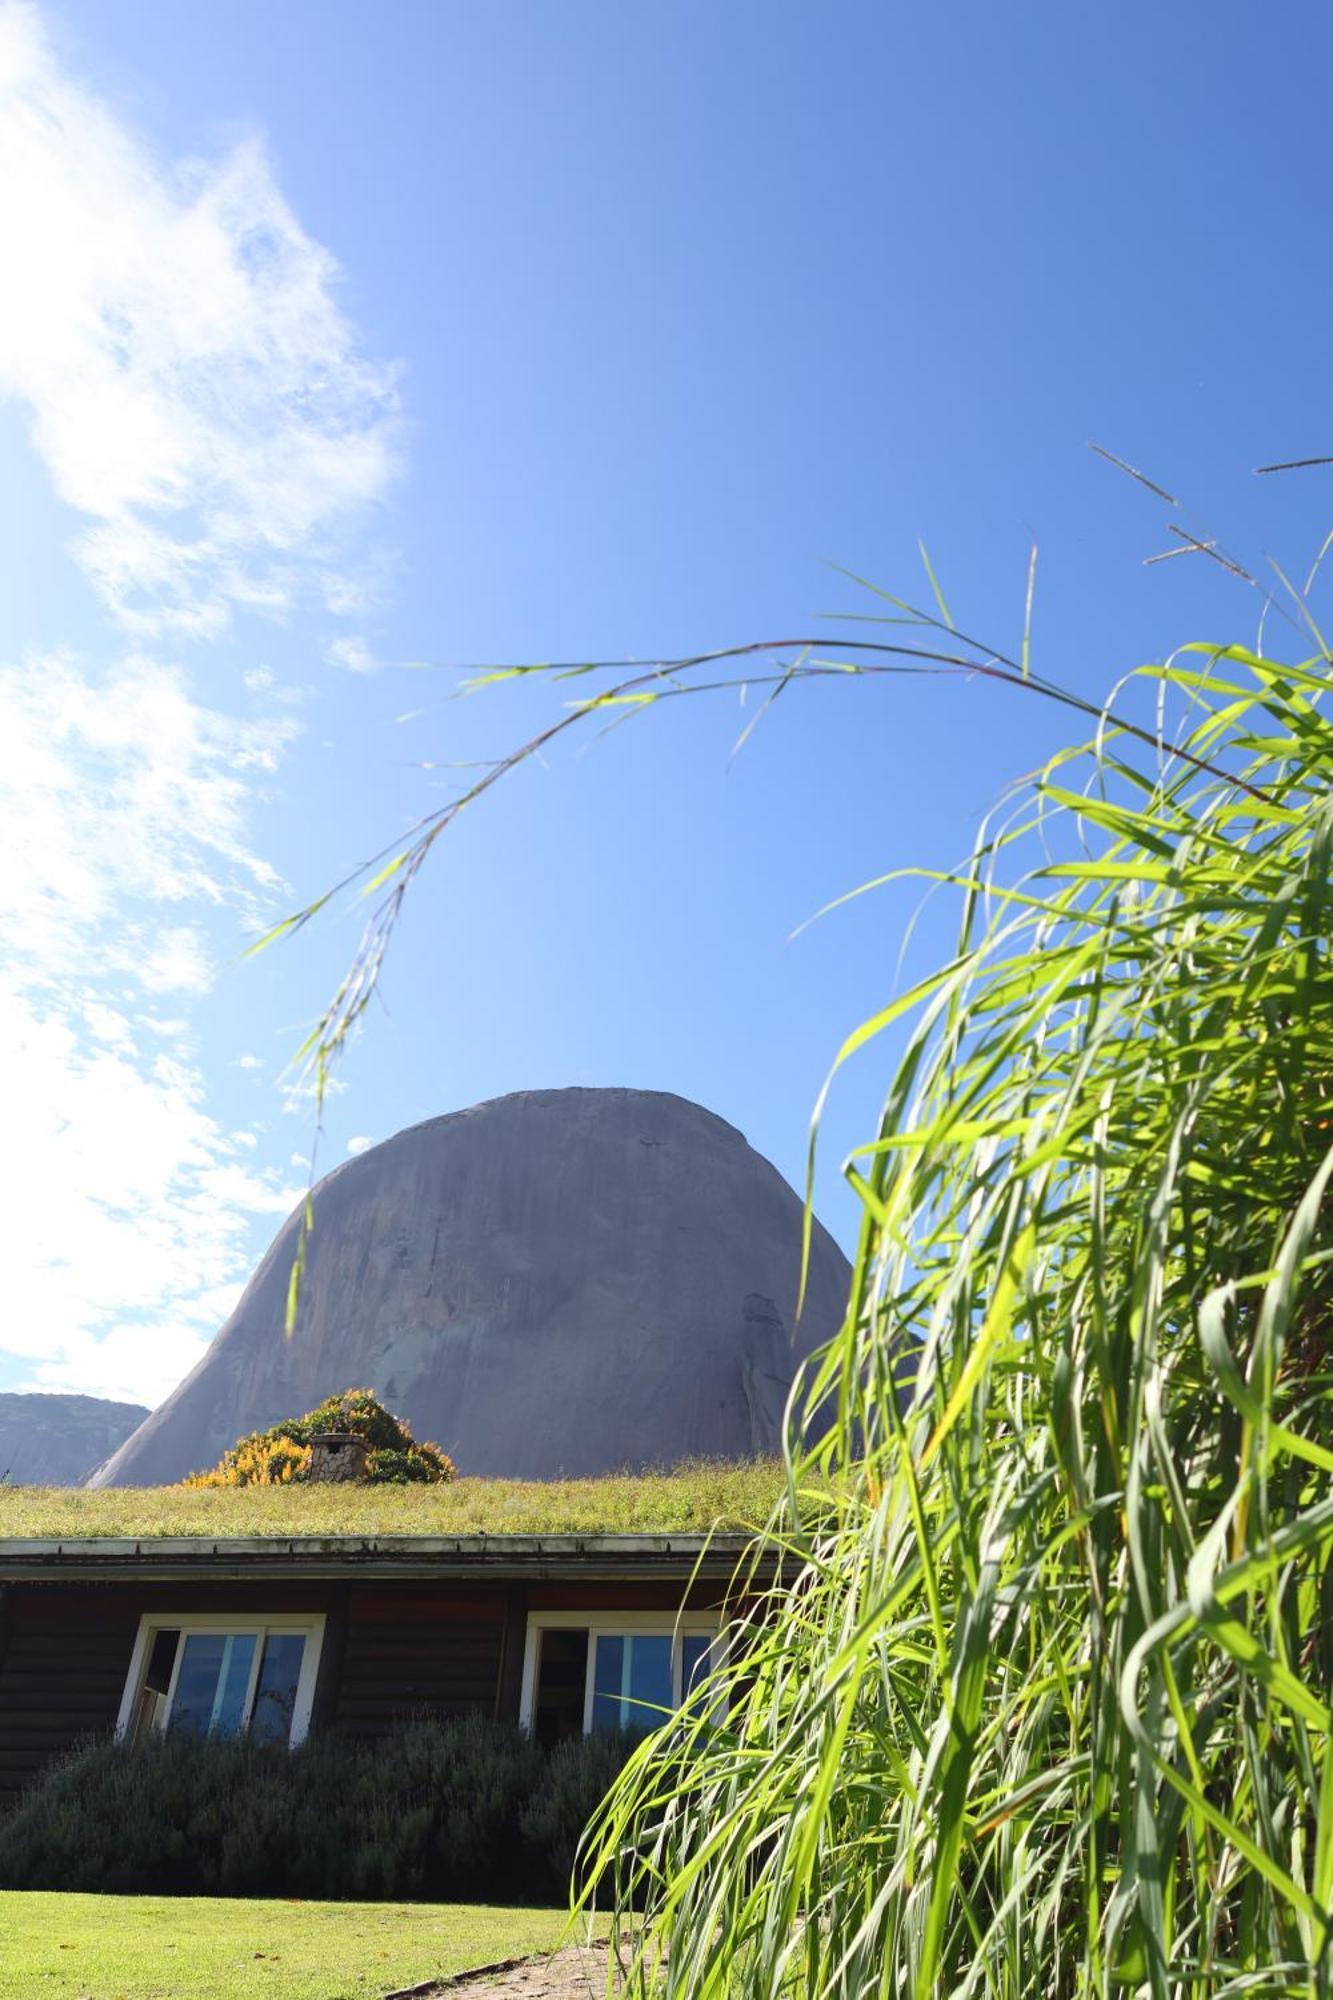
576,1974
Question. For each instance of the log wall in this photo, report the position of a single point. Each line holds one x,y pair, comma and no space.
391,1651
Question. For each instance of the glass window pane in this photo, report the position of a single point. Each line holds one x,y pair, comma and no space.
632,1680
212,1682
197,1682
650,1681
275,1694
562,1673
694,1661
238,1654
156,1680
609,1674
161,1661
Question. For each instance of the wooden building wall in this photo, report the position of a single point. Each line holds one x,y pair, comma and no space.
412,1652
391,1650
64,1655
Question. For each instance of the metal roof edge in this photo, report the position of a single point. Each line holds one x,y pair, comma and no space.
75,1557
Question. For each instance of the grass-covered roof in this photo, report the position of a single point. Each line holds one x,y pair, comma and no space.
690,1499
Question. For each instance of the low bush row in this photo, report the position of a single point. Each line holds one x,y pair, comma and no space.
449,1811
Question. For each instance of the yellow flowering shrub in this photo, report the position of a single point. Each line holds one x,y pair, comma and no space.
280,1456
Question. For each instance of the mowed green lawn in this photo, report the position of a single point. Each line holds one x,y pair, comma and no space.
55,1947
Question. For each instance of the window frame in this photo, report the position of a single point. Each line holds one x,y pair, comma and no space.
673,1625
264,1624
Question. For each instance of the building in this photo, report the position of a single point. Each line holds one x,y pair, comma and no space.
282,1634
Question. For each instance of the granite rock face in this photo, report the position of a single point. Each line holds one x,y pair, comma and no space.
56,1440
556,1282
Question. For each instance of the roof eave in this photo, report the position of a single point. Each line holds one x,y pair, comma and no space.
520,1557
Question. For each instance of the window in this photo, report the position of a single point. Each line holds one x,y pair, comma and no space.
221,1676
610,1670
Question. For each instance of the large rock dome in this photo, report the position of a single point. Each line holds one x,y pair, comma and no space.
557,1282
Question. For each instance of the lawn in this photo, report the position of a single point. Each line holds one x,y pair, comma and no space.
55,1947
691,1499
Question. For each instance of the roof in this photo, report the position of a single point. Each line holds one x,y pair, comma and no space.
652,1520
175,1558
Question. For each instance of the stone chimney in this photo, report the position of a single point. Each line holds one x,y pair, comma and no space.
338,1457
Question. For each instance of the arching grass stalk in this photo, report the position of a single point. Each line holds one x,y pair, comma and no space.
1042,1705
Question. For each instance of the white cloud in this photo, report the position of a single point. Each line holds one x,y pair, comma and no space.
179,962
196,395
127,1206
195,390
353,653
300,1094
171,1030
360,1144
355,592
121,787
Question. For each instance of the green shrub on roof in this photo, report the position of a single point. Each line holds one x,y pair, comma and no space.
280,1456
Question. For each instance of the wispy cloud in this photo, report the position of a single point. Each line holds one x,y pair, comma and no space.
129,1206
127,1230
299,1091
195,393
122,793
351,651
194,388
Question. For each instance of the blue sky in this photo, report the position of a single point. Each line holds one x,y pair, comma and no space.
345,342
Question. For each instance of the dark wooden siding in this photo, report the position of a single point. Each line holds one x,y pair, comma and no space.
62,1675
434,1652
391,1650
65,1654
630,1596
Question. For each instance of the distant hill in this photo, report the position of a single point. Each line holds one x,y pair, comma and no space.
558,1282
53,1440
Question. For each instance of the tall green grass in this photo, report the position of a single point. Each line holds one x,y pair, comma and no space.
1044,1709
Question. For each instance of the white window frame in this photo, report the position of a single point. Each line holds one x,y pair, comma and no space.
673,1625
309,1624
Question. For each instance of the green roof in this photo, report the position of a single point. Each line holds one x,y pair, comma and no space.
709,1494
